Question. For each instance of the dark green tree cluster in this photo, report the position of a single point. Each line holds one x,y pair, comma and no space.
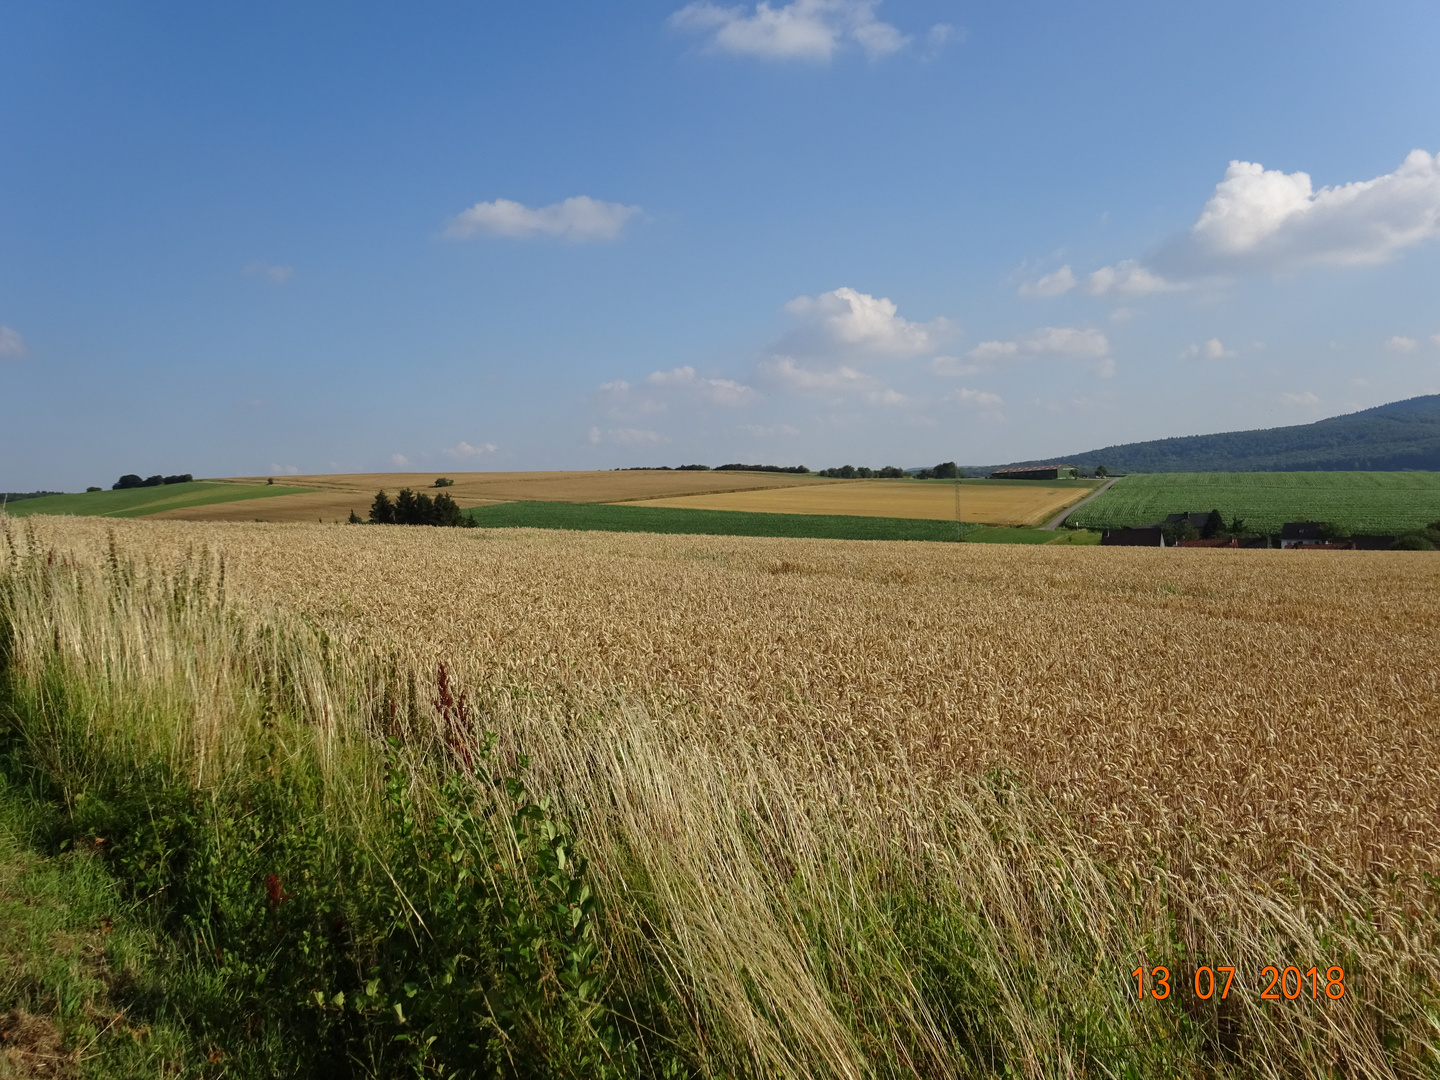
133,480
946,470
737,467
408,508
863,472
444,481
1426,539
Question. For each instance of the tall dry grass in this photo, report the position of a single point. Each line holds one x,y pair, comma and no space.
864,810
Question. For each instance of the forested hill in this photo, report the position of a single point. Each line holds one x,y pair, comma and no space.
1401,435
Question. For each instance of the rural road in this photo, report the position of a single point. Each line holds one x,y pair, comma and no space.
1054,523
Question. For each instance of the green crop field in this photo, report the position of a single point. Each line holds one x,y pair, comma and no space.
1366,503
600,517
138,502
664,519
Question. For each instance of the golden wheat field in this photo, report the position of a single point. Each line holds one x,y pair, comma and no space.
998,505
1252,697
335,495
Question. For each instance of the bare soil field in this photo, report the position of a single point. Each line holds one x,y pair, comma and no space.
338,494
998,505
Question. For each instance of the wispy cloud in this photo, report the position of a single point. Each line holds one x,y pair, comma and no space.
1301,398
271,272
1214,349
399,459
1398,344
12,345
463,451
578,220
813,30
716,391
1128,278
626,437
1066,341
1056,284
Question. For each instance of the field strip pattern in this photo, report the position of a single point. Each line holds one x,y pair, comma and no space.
999,505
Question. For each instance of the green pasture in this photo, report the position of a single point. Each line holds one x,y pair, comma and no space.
1365,503
138,502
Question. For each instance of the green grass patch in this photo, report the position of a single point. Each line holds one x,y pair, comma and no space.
138,502
602,517
1368,503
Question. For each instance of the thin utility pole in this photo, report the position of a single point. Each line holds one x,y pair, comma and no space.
959,530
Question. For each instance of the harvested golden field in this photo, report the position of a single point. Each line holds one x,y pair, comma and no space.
340,493
1007,504
1257,696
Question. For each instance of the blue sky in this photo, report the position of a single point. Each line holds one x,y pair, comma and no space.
274,237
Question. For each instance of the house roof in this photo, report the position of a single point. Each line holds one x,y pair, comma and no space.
1033,468
1300,530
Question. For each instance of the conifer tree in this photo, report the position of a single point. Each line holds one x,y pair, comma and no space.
405,508
382,510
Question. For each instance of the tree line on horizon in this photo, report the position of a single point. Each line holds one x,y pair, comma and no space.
133,480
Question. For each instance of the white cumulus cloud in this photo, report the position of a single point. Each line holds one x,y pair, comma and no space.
1066,341
802,30
1303,398
1056,284
1266,219
463,450
859,324
11,343
1214,349
628,436
1398,344
399,459
577,220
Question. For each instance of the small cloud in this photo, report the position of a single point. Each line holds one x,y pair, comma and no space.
859,323
1359,381
284,470
1106,368
1213,349
803,30
577,220
399,459
979,399
618,386
951,367
1056,284
763,431
844,379
1128,278
463,451
12,345
276,275
1122,315
1435,340
626,437
716,391
940,35
1066,341
1304,398
1398,344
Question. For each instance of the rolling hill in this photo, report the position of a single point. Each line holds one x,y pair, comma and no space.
1387,438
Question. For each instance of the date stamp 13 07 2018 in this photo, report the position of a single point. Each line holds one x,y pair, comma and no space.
1275,983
